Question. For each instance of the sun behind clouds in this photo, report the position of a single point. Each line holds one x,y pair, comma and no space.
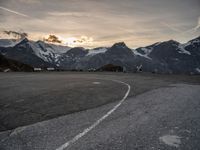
75,42
69,41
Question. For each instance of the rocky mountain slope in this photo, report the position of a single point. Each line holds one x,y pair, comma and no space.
12,65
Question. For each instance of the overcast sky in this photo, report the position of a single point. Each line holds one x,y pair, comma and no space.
103,22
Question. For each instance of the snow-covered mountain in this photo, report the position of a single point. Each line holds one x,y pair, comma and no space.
48,52
8,42
163,57
37,54
96,51
118,54
171,45
173,56
145,51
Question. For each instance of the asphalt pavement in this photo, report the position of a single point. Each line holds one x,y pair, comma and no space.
159,111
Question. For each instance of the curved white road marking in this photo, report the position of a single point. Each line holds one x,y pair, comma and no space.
85,131
96,82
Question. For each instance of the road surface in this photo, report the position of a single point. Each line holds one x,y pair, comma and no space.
105,111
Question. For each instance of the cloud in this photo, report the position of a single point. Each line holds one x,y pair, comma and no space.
52,39
77,14
171,27
194,29
84,39
30,1
15,12
73,14
107,21
81,41
198,25
16,34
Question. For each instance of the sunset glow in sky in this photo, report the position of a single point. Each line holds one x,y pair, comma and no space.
93,23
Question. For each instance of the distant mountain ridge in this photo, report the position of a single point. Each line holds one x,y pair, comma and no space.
162,57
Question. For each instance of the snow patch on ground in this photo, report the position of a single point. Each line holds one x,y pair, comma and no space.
142,55
182,49
198,70
171,140
97,51
146,51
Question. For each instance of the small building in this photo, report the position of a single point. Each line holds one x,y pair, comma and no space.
37,69
50,69
91,69
111,67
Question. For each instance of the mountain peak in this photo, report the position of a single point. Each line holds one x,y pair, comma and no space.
119,44
40,41
119,49
171,41
22,41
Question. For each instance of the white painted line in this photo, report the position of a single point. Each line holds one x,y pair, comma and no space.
96,82
171,140
85,131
